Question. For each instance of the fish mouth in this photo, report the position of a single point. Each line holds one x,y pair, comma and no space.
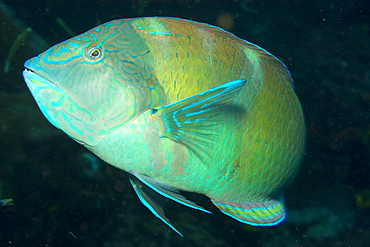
33,77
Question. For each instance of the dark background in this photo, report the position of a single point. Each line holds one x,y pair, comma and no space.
63,196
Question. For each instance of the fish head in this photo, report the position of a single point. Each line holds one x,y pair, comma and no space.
94,83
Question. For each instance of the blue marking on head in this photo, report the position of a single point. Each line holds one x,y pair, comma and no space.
93,36
61,51
44,59
73,44
160,33
34,65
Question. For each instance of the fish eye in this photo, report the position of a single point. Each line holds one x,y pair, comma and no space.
94,53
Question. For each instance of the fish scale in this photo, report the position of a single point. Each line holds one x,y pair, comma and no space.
180,105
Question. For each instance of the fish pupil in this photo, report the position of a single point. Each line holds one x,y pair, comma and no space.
95,53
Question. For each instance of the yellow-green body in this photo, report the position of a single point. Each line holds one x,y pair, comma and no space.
250,157
254,156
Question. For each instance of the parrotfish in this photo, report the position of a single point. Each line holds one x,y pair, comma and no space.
181,106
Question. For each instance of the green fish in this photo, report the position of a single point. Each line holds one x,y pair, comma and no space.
180,105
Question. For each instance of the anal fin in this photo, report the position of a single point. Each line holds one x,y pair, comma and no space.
267,213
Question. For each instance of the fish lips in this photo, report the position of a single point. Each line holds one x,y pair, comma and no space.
34,74
33,79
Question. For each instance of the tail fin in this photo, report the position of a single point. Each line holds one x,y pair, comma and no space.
268,213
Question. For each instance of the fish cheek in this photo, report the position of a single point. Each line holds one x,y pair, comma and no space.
76,121
48,101
62,109
118,107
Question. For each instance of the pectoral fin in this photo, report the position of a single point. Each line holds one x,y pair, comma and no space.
193,121
267,213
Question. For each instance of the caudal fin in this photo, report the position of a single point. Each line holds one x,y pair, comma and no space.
267,213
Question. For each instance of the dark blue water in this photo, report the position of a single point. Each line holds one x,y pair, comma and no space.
65,197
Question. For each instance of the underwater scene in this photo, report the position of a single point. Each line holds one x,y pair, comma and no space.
115,127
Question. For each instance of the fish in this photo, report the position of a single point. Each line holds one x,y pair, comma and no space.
21,38
180,106
6,202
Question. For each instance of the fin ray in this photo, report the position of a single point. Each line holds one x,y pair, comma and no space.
189,121
152,205
168,192
138,181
